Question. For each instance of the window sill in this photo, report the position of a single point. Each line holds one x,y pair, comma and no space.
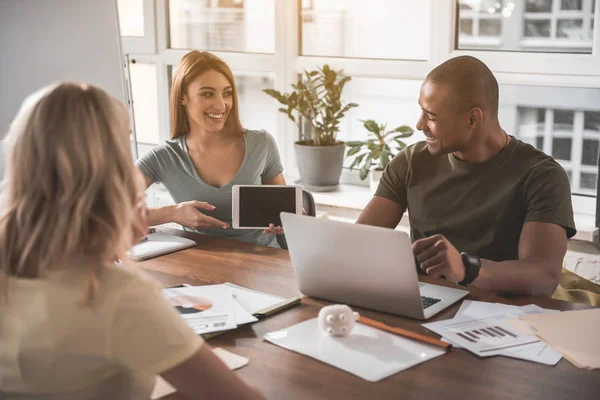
348,201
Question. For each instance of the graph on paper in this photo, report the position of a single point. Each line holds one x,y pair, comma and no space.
485,336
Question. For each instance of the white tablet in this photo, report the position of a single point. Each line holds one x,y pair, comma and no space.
257,206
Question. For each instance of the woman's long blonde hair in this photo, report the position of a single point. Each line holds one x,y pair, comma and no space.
191,66
70,184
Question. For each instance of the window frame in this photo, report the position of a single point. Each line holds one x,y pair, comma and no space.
147,42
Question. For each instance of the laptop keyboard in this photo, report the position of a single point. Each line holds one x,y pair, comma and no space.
429,301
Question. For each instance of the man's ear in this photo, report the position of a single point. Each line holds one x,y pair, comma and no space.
475,117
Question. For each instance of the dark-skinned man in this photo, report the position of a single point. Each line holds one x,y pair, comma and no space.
485,208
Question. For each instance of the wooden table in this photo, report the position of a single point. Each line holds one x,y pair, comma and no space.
282,374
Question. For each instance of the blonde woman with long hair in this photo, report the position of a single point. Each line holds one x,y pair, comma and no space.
209,152
73,323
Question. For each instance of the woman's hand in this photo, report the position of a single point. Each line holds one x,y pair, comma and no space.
187,214
275,230
139,227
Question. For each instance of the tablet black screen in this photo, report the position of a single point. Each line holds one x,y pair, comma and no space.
261,206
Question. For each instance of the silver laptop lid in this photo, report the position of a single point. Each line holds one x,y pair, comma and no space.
360,265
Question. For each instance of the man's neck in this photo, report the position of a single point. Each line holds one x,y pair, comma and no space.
484,146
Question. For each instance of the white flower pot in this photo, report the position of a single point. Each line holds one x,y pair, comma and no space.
374,177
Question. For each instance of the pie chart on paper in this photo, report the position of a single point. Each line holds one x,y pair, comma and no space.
190,304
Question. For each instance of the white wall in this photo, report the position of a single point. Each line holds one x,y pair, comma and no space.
46,41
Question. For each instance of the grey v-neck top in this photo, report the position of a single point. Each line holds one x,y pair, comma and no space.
171,165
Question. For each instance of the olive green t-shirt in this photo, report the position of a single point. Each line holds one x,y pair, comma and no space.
479,208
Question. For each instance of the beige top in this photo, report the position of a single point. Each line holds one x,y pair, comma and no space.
53,347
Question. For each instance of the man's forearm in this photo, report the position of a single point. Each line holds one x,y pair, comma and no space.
161,215
518,277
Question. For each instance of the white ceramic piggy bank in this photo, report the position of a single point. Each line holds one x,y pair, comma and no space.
337,319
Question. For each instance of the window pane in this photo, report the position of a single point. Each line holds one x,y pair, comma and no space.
563,120
588,181
561,149
490,27
257,109
366,29
570,4
548,26
570,28
539,142
590,152
538,5
537,28
131,17
145,103
466,26
223,25
592,121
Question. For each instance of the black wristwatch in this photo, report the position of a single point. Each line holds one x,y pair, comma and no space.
472,265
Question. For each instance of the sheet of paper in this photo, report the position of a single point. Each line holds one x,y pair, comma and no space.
537,352
233,361
241,315
161,389
574,334
366,352
253,300
206,309
484,336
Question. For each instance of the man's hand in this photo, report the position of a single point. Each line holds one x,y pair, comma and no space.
438,257
187,214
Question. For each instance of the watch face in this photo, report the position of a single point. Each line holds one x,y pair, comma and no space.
473,260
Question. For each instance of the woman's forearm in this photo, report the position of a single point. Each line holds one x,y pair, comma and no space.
161,215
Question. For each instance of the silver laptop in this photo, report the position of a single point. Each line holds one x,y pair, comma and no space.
361,265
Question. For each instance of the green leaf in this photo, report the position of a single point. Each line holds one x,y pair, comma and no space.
385,158
364,171
400,143
376,153
353,151
371,126
371,145
355,143
405,130
357,160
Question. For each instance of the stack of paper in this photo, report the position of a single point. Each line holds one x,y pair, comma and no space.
488,329
572,333
213,308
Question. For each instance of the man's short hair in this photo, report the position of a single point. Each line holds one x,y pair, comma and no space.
471,81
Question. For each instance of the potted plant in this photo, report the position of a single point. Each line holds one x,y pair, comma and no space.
377,151
315,106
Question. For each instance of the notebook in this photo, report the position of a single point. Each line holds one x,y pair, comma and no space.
157,244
